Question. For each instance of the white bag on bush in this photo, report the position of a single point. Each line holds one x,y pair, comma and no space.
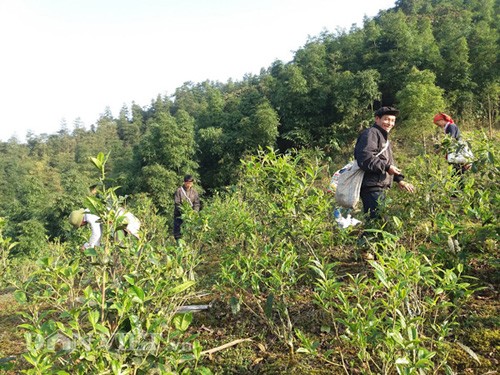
461,154
349,183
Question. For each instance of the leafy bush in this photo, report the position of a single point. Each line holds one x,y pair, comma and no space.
111,308
279,217
398,320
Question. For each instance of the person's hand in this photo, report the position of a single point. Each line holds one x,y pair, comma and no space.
393,170
406,186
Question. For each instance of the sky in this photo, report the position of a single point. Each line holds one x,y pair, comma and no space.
66,59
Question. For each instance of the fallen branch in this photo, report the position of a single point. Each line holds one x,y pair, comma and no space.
191,308
225,346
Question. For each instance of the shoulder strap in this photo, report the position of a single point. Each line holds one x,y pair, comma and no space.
383,149
189,200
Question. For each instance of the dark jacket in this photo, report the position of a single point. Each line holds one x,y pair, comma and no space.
181,196
370,142
452,130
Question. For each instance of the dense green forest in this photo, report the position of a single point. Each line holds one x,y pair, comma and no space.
262,150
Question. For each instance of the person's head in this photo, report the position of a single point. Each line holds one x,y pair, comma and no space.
441,119
188,181
385,117
76,218
93,189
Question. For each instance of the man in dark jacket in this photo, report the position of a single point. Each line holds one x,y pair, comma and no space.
379,167
185,193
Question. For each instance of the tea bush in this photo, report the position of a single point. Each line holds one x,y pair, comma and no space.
112,308
397,320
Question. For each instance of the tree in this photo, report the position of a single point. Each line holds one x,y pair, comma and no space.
491,100
483,44
454,75
128,131
352,102
248,122
414,7
160,183
210,142
138,117
287,94
419,101
169,142
397,51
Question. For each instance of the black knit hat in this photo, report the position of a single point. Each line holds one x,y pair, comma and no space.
386,111
188,178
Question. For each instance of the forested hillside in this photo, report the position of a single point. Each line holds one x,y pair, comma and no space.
422,56
265,248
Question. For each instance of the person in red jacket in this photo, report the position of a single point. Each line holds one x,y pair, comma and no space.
449,127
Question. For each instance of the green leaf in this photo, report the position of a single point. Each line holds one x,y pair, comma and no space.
397,222
29,359
129,279
423,363
380,273
99,161
20,296
27,326
88,356
182,321
96,162
204,371
102,329
182,287
139,293
197,350
48,327
90,251
402,361
398,337
93,317
116,366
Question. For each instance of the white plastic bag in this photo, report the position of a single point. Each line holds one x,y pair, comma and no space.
349,182
335,179
461,154
345,222
349,185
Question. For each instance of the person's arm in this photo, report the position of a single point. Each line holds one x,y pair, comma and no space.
196,201
178,197
95,227
403,185
399,179
133,224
